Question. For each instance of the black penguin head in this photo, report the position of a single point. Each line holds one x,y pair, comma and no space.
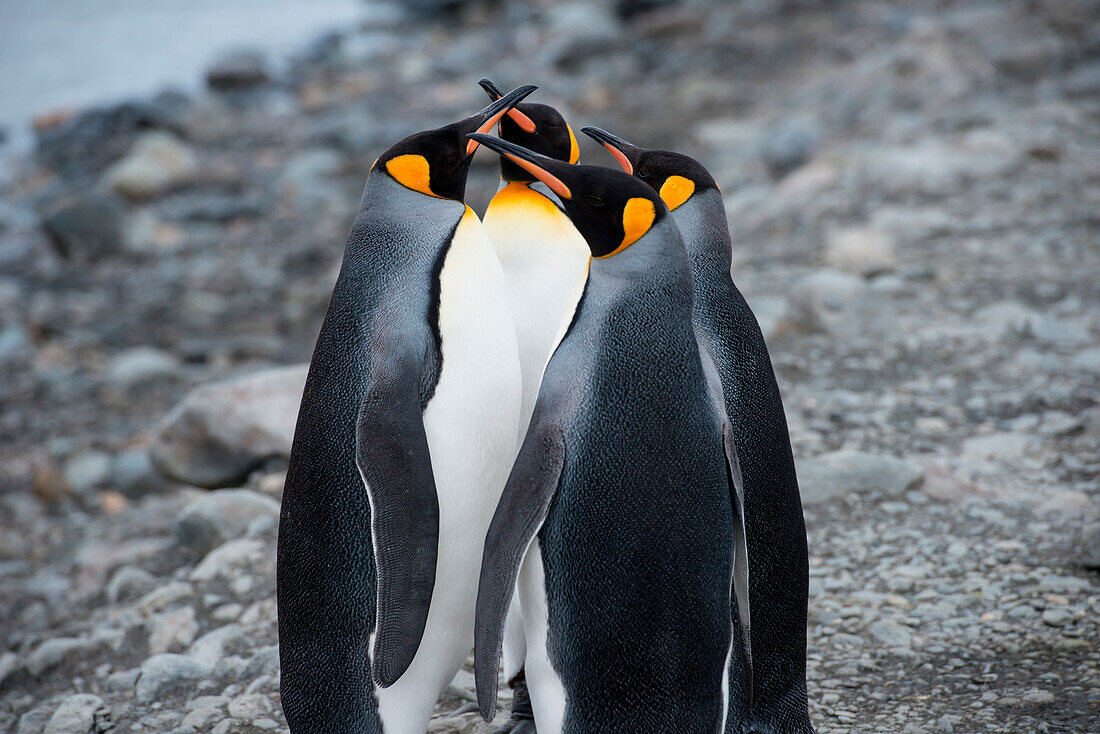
536,127
675,176
436,162
610,209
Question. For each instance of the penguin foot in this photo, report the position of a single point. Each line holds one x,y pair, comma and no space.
522,720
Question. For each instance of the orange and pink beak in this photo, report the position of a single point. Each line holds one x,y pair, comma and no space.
626,154
537,165
525,123
488,118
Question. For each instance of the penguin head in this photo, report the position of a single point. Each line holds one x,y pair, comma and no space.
676,177
536,127
436,162
610,209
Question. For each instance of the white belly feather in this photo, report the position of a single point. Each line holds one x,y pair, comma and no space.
545,262
471,424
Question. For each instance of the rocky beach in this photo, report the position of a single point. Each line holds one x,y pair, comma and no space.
913,190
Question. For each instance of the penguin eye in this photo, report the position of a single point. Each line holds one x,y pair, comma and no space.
593,200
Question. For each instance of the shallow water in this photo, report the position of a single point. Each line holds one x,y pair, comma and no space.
68,54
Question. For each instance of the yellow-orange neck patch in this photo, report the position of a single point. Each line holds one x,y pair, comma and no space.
574,148
638,216
516,194
413,172
676,190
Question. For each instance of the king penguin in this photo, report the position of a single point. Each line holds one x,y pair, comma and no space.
543,255
404,439
545,261
620,526
778,567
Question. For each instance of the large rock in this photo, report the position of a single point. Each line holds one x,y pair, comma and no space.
220,516
861,250
1088,545
162,673
224,430
88,142
89,228
835,474
139,366
789,145
933,165
157,162
223,560
77,714
51,653
840,304
237,69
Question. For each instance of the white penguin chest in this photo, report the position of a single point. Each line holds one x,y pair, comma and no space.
473,415
545,261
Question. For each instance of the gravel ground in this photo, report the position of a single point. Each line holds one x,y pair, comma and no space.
913,190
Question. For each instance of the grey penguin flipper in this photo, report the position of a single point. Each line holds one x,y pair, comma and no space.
522,508
740,555
391,451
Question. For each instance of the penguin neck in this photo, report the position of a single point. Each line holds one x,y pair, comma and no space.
705,230
658,254
527,194
388,212
384,199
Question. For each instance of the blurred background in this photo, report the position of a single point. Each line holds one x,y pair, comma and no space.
913,189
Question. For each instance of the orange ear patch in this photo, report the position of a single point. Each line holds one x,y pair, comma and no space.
574,148
676,190
638,216
411,171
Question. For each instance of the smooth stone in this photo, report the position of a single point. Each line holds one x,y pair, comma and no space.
789,145
161,673
249,706
264,662
77,715
237,69
1084,80
835,474
1006,447
173,629
222,560
1088,545
129,582
133,474
1056,617
9,663
1087,360
51,653
212,647
157,162
35,720
88,142
139,366
87,471
890,633
122,681
221,516
161,598
861,250
222,431
89,229
1039,697
840,304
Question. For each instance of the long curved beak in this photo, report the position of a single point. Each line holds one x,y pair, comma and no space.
626,154
525,123
537,165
